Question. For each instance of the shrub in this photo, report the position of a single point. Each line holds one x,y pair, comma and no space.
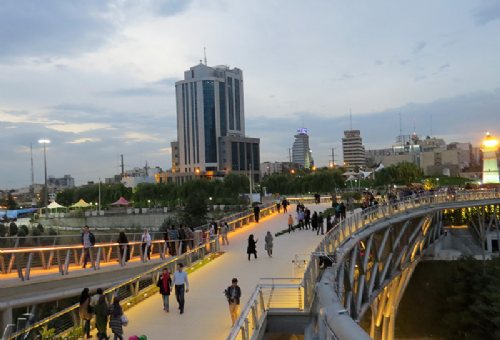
52,232
40,228
24,229
35,231
13,229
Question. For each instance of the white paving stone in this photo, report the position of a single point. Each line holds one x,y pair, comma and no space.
206,314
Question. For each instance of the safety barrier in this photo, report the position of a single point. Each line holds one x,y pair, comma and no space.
40,260
130,293
250,320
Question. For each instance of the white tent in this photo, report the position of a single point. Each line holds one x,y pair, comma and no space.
55,205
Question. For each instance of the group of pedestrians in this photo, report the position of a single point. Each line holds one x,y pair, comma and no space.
252,245
179,239
179,284
97,305
215,230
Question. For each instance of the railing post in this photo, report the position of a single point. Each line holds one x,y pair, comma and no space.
98,258
28,266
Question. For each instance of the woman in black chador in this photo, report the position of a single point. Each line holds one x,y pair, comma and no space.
252,246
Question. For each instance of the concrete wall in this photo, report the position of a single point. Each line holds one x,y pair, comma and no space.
111,221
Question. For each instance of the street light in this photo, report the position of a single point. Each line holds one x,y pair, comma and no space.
46,198
149,204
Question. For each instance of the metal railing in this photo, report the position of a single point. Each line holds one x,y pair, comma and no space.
274,293
43,260
249,322
130,292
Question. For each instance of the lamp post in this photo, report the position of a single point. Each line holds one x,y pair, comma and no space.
46,196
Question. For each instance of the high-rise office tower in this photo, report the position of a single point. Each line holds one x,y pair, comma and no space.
353,149
301,153
211,125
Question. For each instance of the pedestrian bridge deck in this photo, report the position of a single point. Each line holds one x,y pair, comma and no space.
206,314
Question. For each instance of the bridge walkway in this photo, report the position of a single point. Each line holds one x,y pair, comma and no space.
206,314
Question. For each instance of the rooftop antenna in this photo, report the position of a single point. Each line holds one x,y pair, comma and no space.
350,119
431,124
32,188
205,55
401,130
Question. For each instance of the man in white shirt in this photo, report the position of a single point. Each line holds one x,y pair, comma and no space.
146,245
180,282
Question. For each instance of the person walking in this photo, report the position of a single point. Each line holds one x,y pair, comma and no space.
252,247
224,230
314,221
101,310
256,213
85,311
165,285
88,241
284,203
290,223
307,218
146,245
94,300
181,284
123,246
116,319
320,225
269,244
173,236
233,295
278,206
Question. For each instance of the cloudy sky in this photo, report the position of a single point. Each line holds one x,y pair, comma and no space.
97,77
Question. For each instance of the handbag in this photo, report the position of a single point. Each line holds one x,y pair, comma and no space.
124,320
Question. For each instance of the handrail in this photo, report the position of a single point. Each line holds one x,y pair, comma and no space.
342,232
66,257
130,291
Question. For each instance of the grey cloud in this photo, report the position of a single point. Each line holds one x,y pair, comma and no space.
170,82
52,28
420,46
137,91
441,68
379,129
444,66
486,13
379,62
171,7
404,61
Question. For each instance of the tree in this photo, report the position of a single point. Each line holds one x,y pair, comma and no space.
24,230
35,231
403,173
3,230
195,210
40,228
13,229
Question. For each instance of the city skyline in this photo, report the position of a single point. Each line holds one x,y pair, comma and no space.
97,79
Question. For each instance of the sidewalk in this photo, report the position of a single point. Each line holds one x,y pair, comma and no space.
206,314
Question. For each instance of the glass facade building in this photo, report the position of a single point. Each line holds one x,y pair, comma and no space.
210,106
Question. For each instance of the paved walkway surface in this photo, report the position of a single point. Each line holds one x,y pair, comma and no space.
206,314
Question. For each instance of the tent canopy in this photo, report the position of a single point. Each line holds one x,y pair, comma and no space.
55,205
121,201
80,204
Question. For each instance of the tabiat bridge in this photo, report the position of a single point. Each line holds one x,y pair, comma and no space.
362,267
359,269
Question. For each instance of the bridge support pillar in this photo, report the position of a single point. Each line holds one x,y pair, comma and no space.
385,307
5,319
